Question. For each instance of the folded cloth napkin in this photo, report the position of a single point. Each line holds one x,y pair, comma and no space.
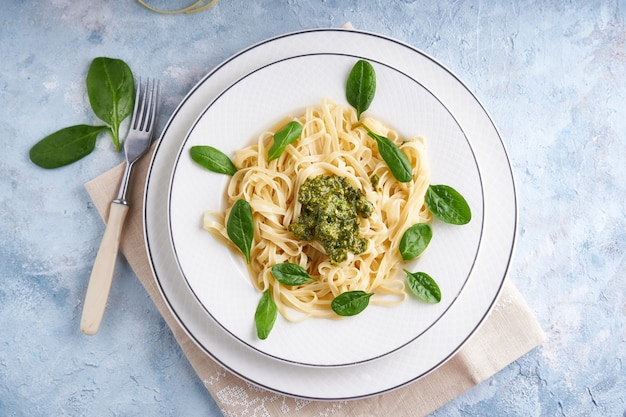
509,332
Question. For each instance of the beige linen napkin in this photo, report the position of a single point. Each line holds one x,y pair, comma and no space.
509,332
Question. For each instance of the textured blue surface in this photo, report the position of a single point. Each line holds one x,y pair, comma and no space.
552,75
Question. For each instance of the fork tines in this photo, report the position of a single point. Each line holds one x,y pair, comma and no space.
143,118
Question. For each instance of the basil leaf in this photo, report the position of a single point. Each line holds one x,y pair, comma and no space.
447,204
350,303
288,134
291,274
361,86
111,91
415,240
65,146
212,159
396,160
240,227
265,315
423,286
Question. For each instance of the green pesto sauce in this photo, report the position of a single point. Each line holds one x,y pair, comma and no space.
375,180
330,206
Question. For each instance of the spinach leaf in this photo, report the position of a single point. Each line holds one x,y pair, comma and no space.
361,86
415,240
291,274
212,159
350,303
288,134
423,286
265,315
111,91
240,227
396,160
447,204
65,146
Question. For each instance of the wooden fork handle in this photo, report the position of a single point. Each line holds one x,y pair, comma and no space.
102,272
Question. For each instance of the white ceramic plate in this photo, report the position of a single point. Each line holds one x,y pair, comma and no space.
218,276
441,340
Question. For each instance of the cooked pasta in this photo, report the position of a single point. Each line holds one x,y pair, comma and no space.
333,142
196,7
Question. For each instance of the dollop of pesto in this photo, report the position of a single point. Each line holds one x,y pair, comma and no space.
330,206
375,180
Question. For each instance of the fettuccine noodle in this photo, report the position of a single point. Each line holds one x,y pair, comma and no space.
333,142
196,7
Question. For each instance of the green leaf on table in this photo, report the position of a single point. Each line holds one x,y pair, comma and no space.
65,146
111,91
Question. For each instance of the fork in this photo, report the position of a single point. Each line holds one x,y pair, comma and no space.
137,143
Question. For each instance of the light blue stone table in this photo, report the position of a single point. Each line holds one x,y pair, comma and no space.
551,74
